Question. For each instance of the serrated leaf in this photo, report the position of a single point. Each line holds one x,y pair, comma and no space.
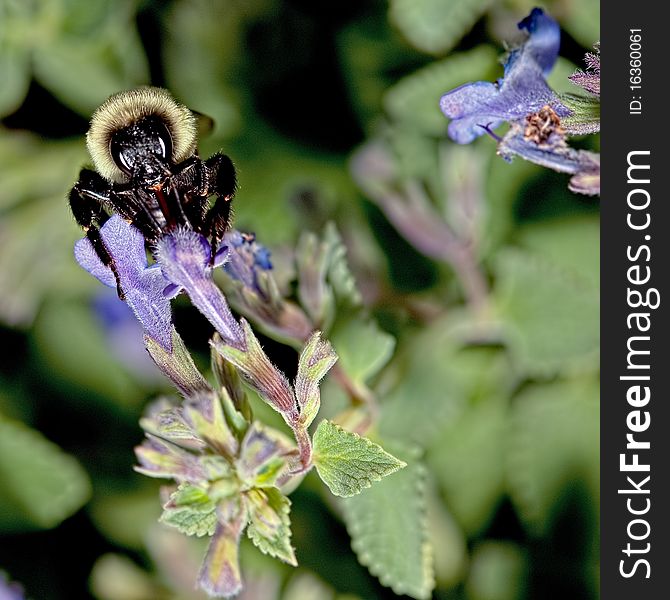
363,348
553,444
387,525
269,523
40,485
435,26
191,511
415,99
348,463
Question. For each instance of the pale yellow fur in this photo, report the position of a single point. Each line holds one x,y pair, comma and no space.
123,109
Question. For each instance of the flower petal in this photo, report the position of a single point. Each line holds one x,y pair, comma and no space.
142,285
476,108
184,259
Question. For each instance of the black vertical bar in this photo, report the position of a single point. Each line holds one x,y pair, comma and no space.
635,243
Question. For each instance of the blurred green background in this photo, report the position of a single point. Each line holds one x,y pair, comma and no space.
497,397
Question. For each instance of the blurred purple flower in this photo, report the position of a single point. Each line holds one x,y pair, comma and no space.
10,590
143,286
246,258
477,108
124,335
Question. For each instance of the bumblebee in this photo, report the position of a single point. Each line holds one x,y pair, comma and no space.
143,145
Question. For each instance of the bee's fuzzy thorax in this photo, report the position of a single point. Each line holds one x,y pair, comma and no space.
125,108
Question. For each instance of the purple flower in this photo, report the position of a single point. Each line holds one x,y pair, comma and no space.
246,258
143,286
124,334
541,140
476,108
10,590
183,257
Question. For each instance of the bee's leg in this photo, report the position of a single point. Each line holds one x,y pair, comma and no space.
222,184
188,189
87,200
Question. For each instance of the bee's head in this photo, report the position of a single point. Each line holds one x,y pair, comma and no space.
138,134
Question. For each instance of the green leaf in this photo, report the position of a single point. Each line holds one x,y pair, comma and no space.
15,76
387,525
74,345
191,511
434,379
40,485
435,26
415,99
117,576
348,463
340,276
324,278
582,21
219,33
499,571
304,585
468,462
554,441
25,276
93,53
269,523
123,515
571,243
449,544
548,299
363,348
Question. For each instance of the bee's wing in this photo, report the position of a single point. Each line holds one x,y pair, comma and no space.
204,123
